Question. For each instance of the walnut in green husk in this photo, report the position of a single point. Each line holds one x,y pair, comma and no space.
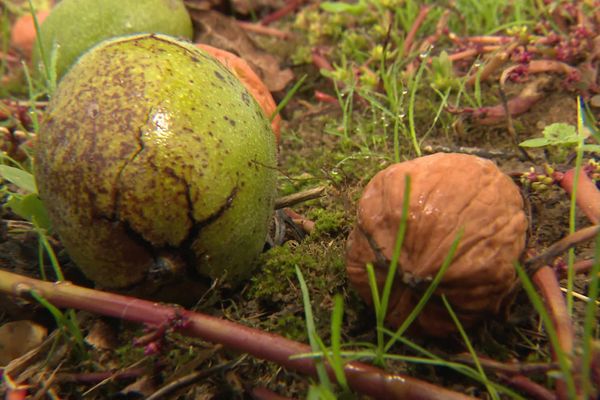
156,165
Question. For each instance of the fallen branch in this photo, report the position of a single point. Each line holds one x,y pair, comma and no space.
363,378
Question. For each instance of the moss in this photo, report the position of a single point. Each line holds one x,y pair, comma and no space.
292,327
327,222
278,268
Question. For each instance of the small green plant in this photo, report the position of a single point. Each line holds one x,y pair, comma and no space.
561,138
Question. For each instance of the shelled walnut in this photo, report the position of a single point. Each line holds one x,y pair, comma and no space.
449,193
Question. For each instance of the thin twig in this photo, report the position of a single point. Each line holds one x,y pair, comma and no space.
264,30
564,244
189,379
282,12
492,65
300,197
410,37
510,368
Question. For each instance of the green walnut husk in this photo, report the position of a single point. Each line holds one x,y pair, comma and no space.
156,165
75,26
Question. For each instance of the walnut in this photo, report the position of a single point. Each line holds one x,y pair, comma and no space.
449,192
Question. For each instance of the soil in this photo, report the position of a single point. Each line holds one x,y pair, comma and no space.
313,152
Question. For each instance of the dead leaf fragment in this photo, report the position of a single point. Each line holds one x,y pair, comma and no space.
19,337
224,33
102,336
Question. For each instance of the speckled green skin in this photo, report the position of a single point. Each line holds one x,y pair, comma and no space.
151,150
77,25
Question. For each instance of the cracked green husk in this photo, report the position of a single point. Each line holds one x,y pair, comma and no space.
154,161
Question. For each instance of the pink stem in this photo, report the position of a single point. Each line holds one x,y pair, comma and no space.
361,377
547,283
410,37
533,390
588,195
282,12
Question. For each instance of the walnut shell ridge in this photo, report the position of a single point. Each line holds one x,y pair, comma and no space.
449,192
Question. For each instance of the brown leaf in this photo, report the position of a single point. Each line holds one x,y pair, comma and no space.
224,33
19,337
102,336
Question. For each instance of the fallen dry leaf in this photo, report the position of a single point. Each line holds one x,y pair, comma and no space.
102,336
19,337
224,33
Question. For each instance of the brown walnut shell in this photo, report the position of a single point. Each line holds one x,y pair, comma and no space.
449,192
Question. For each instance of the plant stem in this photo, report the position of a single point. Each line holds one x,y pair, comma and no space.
549,288
361,377
588,195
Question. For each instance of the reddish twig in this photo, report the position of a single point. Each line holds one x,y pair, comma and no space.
412,33
320,61
534,391
547,283
361,377
264,30
288,8
588,195
470,53
493,64
307,225
499,40
563,245
505,368
325,98
492,115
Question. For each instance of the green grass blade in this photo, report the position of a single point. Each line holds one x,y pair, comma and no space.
336,341
563,359
428,293
312,332
288,96
411,107
589,323
67,322
465,337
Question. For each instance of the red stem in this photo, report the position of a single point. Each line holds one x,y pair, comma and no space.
282,12
361,377
588,195
549,288
533,390
410,37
